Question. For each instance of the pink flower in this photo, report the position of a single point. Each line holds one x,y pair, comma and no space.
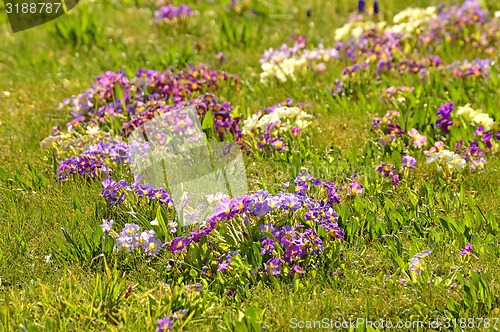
419,140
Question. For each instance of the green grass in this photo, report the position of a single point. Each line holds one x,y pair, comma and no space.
40,67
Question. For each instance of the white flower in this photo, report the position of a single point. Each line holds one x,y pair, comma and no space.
457,162
446,156
466,111
484,120
92,130
154,222
343,32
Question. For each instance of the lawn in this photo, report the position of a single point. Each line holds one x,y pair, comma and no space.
368,146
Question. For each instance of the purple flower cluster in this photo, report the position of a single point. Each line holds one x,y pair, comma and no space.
472,154
297,243
394,92
113,97
475,68
372,46
268,142
387,127
388,170
115,191
130,238
171,13
467,22
284,51
98,158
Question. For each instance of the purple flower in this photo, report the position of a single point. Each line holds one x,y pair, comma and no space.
385,169
267,246
395,180
262,208
479,131
408,162
221,57
272,266
337,88
376,122
355,189
179,244
111,191
418,139
296,269
395,129
170,13
130,230
387,139
434,60
467,250
416,265
106,225
335,231
444,117
478,164
290,202
223,265
487,139
295,131
164,324
279,144
292,253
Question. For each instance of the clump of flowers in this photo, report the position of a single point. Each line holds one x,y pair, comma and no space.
389,171
475,68
115,192
476,117
97,141
130,238
171,14
285,62
396,94
97,159
467,22
275,126
411,21
76,139
132,101
355,27
472,154
287,223
387,128
439,154
418,140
